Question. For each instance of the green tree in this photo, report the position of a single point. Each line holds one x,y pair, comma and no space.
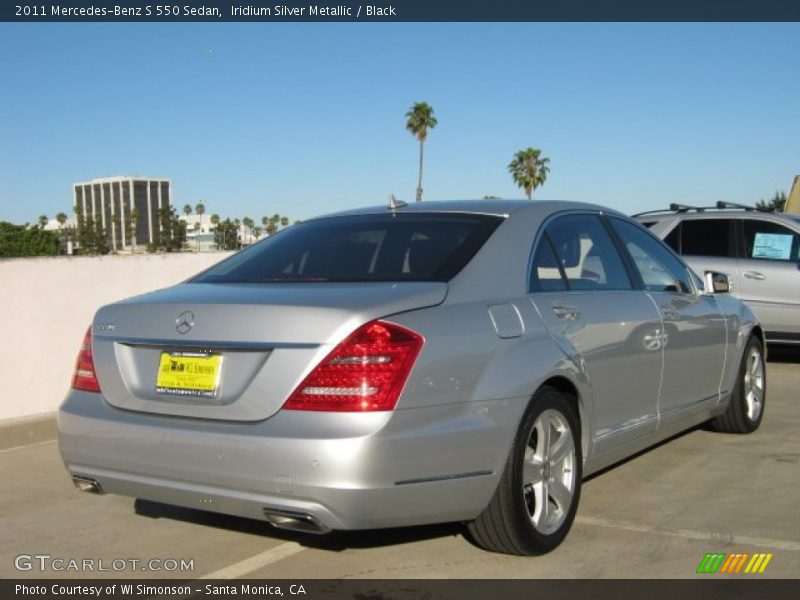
61,218
215,220
529,169
43,221
249,223
130,228
284,221
170,236
187,209
419,119
226,235
774,204
200,209
21,240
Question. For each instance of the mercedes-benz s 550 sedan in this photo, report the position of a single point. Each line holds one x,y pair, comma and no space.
442,362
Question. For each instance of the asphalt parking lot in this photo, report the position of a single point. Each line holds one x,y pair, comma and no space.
656,515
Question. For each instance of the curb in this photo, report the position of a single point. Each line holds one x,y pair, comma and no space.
27,430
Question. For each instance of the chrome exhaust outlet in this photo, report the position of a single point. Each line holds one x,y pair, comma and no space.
87,484
294,521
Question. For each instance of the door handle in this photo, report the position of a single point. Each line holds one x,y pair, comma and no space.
566,311
754,275
669,312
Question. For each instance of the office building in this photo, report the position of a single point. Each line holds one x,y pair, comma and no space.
113,201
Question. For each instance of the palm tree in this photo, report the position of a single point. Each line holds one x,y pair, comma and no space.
200,209
130,229
420,120
248,222
529,169
61,218
187,209
42,221
284,221
215,220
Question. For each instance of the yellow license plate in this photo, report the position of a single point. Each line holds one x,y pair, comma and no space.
188,374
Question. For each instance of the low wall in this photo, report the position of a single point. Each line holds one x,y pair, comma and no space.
46,304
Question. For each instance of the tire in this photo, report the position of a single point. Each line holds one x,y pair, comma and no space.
746,407
516,522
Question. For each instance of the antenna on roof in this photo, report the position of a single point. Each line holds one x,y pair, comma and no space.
394,203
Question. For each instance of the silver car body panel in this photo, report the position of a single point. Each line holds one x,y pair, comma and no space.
489,345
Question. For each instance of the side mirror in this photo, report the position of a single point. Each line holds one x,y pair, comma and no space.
716,283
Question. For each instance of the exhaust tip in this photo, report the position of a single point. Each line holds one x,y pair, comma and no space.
87,484
294,521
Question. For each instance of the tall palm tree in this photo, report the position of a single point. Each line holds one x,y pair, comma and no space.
61,218
284,221
248,222
42,221
419,120
529,169
200,210
187,209
215,220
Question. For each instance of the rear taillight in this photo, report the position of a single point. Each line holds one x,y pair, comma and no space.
367,371
85,378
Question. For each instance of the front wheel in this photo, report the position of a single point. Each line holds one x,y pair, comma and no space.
746,407
537,496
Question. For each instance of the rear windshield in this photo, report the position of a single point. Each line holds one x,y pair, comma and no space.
390,247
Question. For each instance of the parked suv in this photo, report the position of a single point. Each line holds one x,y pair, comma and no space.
759,251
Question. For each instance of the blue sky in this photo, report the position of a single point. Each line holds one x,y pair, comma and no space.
302,119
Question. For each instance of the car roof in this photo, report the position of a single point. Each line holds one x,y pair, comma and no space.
502,208
713,213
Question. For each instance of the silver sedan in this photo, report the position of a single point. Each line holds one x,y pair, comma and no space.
454,361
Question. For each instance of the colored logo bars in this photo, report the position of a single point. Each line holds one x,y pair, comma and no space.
738,562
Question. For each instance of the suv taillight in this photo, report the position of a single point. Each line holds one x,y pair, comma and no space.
366,372
85,378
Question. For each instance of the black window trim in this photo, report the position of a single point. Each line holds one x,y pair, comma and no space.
633,276
688,271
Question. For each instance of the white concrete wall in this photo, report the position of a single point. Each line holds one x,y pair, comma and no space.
46,304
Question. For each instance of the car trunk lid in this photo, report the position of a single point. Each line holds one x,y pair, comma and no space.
267,338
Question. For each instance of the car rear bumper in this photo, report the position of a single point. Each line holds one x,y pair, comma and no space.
336,470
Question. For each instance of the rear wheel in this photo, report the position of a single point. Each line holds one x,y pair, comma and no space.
537,496
746,407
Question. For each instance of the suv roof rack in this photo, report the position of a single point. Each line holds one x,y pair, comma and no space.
675,207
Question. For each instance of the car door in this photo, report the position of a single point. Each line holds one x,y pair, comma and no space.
584,293
694,324
708,244
770,276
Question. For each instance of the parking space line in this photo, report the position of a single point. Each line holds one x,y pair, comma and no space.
34,445
729,539
248,565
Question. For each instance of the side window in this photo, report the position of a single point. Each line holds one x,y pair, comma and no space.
660,270
673,240
545,274
585,252
707,237
770,241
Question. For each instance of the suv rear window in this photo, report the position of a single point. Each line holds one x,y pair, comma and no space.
360,248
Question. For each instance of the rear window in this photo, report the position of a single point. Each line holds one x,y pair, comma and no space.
390,247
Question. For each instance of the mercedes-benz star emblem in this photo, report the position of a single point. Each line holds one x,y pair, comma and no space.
184,322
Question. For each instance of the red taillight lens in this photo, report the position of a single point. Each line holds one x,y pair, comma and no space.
85,378
367,371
